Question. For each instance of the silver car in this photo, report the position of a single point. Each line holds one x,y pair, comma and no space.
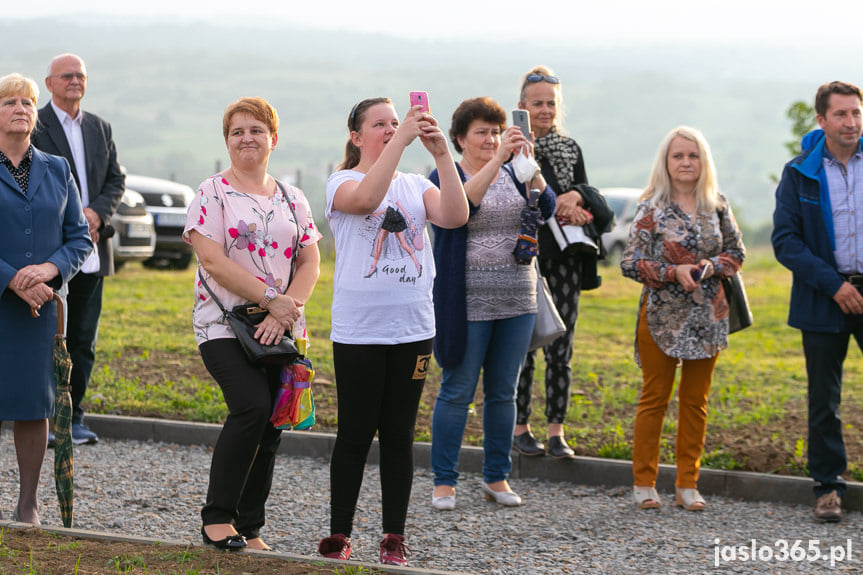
167,202
623,201
134,236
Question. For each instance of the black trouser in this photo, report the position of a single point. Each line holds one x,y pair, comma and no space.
825,354
562,276
379,389
84,304
242,469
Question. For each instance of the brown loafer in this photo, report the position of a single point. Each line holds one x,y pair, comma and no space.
828,508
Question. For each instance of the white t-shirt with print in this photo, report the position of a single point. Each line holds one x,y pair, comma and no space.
382,285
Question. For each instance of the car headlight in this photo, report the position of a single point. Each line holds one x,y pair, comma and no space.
132,198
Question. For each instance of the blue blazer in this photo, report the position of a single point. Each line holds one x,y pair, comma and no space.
45,225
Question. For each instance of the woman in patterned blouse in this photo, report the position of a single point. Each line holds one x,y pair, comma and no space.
256,241
683,239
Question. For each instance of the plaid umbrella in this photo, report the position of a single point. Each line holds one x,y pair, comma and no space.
63,459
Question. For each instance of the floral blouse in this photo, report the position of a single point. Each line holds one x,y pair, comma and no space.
685,325
258,233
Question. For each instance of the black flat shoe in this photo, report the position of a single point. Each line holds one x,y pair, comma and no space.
230,543
526,444
558,448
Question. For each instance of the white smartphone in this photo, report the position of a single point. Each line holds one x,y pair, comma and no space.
521,119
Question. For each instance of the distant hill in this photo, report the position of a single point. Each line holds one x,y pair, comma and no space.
164,88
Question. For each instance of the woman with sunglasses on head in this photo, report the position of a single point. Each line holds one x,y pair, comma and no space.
383,320
567,273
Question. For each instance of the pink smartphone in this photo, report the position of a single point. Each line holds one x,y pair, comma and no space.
420,99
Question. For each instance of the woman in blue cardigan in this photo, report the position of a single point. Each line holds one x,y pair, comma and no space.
44,240
485,301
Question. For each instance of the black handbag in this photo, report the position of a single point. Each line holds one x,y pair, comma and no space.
244,319
739,313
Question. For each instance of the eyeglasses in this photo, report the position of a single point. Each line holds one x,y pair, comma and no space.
69,77
534,78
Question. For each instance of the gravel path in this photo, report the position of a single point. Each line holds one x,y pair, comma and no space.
156,490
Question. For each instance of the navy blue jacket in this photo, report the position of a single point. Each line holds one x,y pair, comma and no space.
450,290
803,240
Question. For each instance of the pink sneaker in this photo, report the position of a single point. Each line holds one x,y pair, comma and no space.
335,547
394,551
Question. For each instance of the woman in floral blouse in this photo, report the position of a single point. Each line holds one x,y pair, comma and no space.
683,239
248,230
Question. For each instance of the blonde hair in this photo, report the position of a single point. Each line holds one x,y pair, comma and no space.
14,84
658,190
558,93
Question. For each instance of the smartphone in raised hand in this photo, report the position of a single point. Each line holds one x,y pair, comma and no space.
521,119
420,99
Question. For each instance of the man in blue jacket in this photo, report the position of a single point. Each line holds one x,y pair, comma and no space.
817,235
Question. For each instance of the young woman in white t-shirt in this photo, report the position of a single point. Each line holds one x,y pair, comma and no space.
382,314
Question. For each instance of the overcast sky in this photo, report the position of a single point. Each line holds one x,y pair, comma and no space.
662,20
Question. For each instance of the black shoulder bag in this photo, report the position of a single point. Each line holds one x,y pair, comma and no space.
244,319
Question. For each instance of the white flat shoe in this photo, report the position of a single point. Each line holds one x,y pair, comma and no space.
507,498
646,497
445,503
690,499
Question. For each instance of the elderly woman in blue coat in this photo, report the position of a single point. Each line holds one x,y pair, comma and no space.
44,240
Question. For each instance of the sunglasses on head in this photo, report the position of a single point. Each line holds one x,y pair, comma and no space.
534,78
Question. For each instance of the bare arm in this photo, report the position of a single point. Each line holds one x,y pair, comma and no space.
361,198
511,142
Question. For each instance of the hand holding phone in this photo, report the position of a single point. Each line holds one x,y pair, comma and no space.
521,119
420,99
698,273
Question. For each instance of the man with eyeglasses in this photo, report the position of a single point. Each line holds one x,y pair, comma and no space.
86,141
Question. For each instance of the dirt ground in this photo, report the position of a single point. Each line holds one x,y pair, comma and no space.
32,551
763,447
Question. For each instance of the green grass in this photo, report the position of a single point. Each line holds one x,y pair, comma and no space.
148,364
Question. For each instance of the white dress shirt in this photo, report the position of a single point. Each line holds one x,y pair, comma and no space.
75,138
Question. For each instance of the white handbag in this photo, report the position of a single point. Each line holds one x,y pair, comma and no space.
549,326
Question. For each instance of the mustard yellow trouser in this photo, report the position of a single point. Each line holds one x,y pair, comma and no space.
658,372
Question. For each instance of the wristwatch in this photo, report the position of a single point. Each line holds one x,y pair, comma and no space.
269,295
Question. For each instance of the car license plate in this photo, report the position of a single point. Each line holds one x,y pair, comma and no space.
171,220
139,230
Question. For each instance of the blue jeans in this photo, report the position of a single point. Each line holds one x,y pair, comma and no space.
498,348
825,353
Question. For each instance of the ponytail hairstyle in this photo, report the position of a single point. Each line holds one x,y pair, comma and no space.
355,121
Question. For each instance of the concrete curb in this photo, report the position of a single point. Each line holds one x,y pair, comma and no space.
739,485
291,557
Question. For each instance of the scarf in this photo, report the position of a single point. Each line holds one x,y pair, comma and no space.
562,153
